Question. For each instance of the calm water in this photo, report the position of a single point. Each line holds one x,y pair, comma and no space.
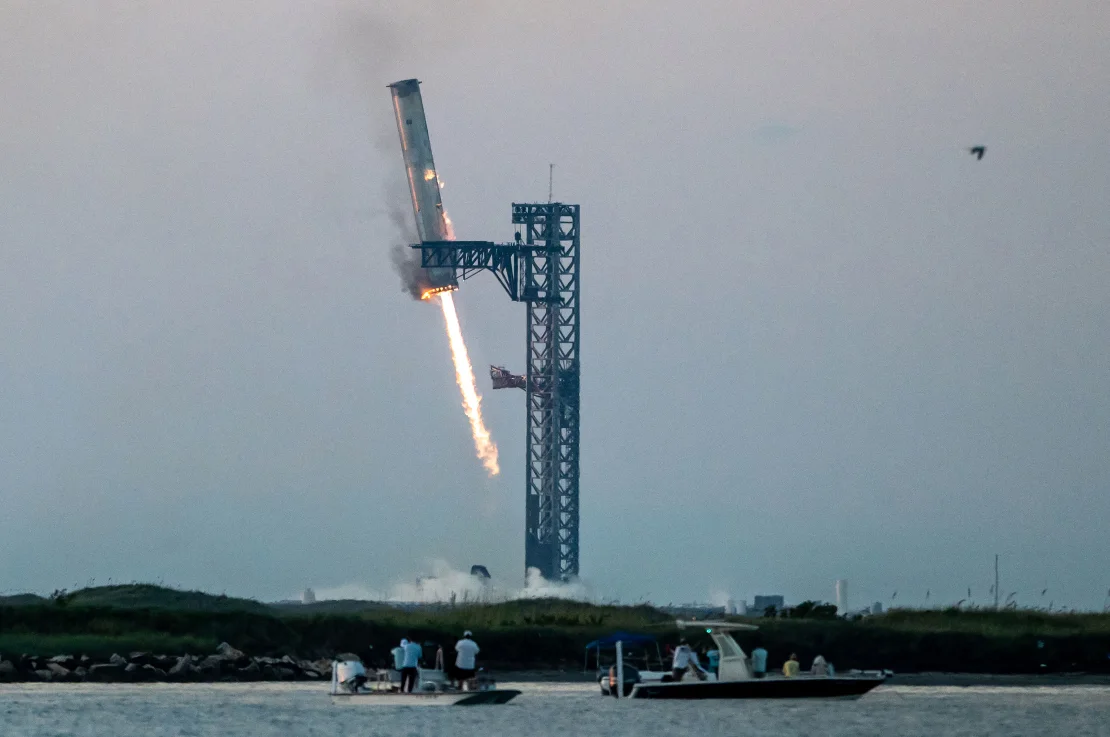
544,710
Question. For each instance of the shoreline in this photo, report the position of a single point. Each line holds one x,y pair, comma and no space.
552,677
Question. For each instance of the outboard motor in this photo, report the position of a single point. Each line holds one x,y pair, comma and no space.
631,678
350,675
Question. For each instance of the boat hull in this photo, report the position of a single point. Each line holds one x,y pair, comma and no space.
464,698
763,688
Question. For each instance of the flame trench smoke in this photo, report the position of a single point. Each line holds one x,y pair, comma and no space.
464,375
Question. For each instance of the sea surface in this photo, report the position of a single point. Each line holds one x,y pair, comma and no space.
544,710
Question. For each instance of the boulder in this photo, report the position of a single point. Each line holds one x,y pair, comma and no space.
106,672
165,662
151,673
8,672
133,672
141,658
66,661
285,674
311,674
252,672
80,673
118,660
291,664
61,673
212,665
44,675
182,670
227,652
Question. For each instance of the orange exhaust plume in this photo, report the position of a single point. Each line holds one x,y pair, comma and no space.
464,375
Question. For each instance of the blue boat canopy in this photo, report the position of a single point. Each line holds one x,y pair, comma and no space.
627,638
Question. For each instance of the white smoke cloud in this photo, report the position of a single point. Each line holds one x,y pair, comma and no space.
719,597
446,584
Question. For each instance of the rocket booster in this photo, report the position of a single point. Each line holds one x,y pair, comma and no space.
416,146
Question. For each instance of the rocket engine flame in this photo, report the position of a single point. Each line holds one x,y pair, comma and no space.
464,375
433,291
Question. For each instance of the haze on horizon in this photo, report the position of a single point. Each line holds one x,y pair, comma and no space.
820,340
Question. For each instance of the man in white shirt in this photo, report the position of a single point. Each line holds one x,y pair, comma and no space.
684,657
466,664
409,673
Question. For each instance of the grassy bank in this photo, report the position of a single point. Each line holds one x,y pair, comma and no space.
543,634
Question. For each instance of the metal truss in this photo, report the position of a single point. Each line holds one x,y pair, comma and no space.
540,269
551,278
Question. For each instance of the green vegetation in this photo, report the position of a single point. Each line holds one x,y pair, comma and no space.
541,633
102,646
149,596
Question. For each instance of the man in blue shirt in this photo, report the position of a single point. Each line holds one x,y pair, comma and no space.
759,662
409,673
714,658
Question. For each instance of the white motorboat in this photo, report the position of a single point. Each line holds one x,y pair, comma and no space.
734,679
350,684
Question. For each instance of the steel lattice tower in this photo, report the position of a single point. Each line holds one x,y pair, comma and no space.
541,270
551,289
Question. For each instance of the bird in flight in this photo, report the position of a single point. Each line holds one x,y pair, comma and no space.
978,151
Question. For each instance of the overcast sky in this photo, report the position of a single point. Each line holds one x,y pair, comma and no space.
819,339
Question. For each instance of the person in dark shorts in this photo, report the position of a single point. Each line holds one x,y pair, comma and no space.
466,664
684,657
409,672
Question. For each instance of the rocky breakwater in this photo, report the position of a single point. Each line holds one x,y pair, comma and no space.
226,664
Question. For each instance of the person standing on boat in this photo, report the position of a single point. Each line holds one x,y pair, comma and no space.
409,672
759,662
820,667
791,667
398,654
466,663
714,658
684,659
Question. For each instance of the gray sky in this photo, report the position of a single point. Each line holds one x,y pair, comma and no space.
819,339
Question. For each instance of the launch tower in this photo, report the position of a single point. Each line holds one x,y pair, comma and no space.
540,268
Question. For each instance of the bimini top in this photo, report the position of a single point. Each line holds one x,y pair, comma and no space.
712,625
627,638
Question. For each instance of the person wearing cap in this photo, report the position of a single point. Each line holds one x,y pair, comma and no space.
466,658
685,659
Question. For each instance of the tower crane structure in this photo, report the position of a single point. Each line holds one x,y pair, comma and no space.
540,268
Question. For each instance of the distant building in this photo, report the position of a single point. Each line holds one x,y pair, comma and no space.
841,597
308,597
763,602
877,608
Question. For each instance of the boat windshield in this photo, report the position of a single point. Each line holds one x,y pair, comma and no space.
728,646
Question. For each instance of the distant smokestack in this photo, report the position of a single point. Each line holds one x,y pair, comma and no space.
842,597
